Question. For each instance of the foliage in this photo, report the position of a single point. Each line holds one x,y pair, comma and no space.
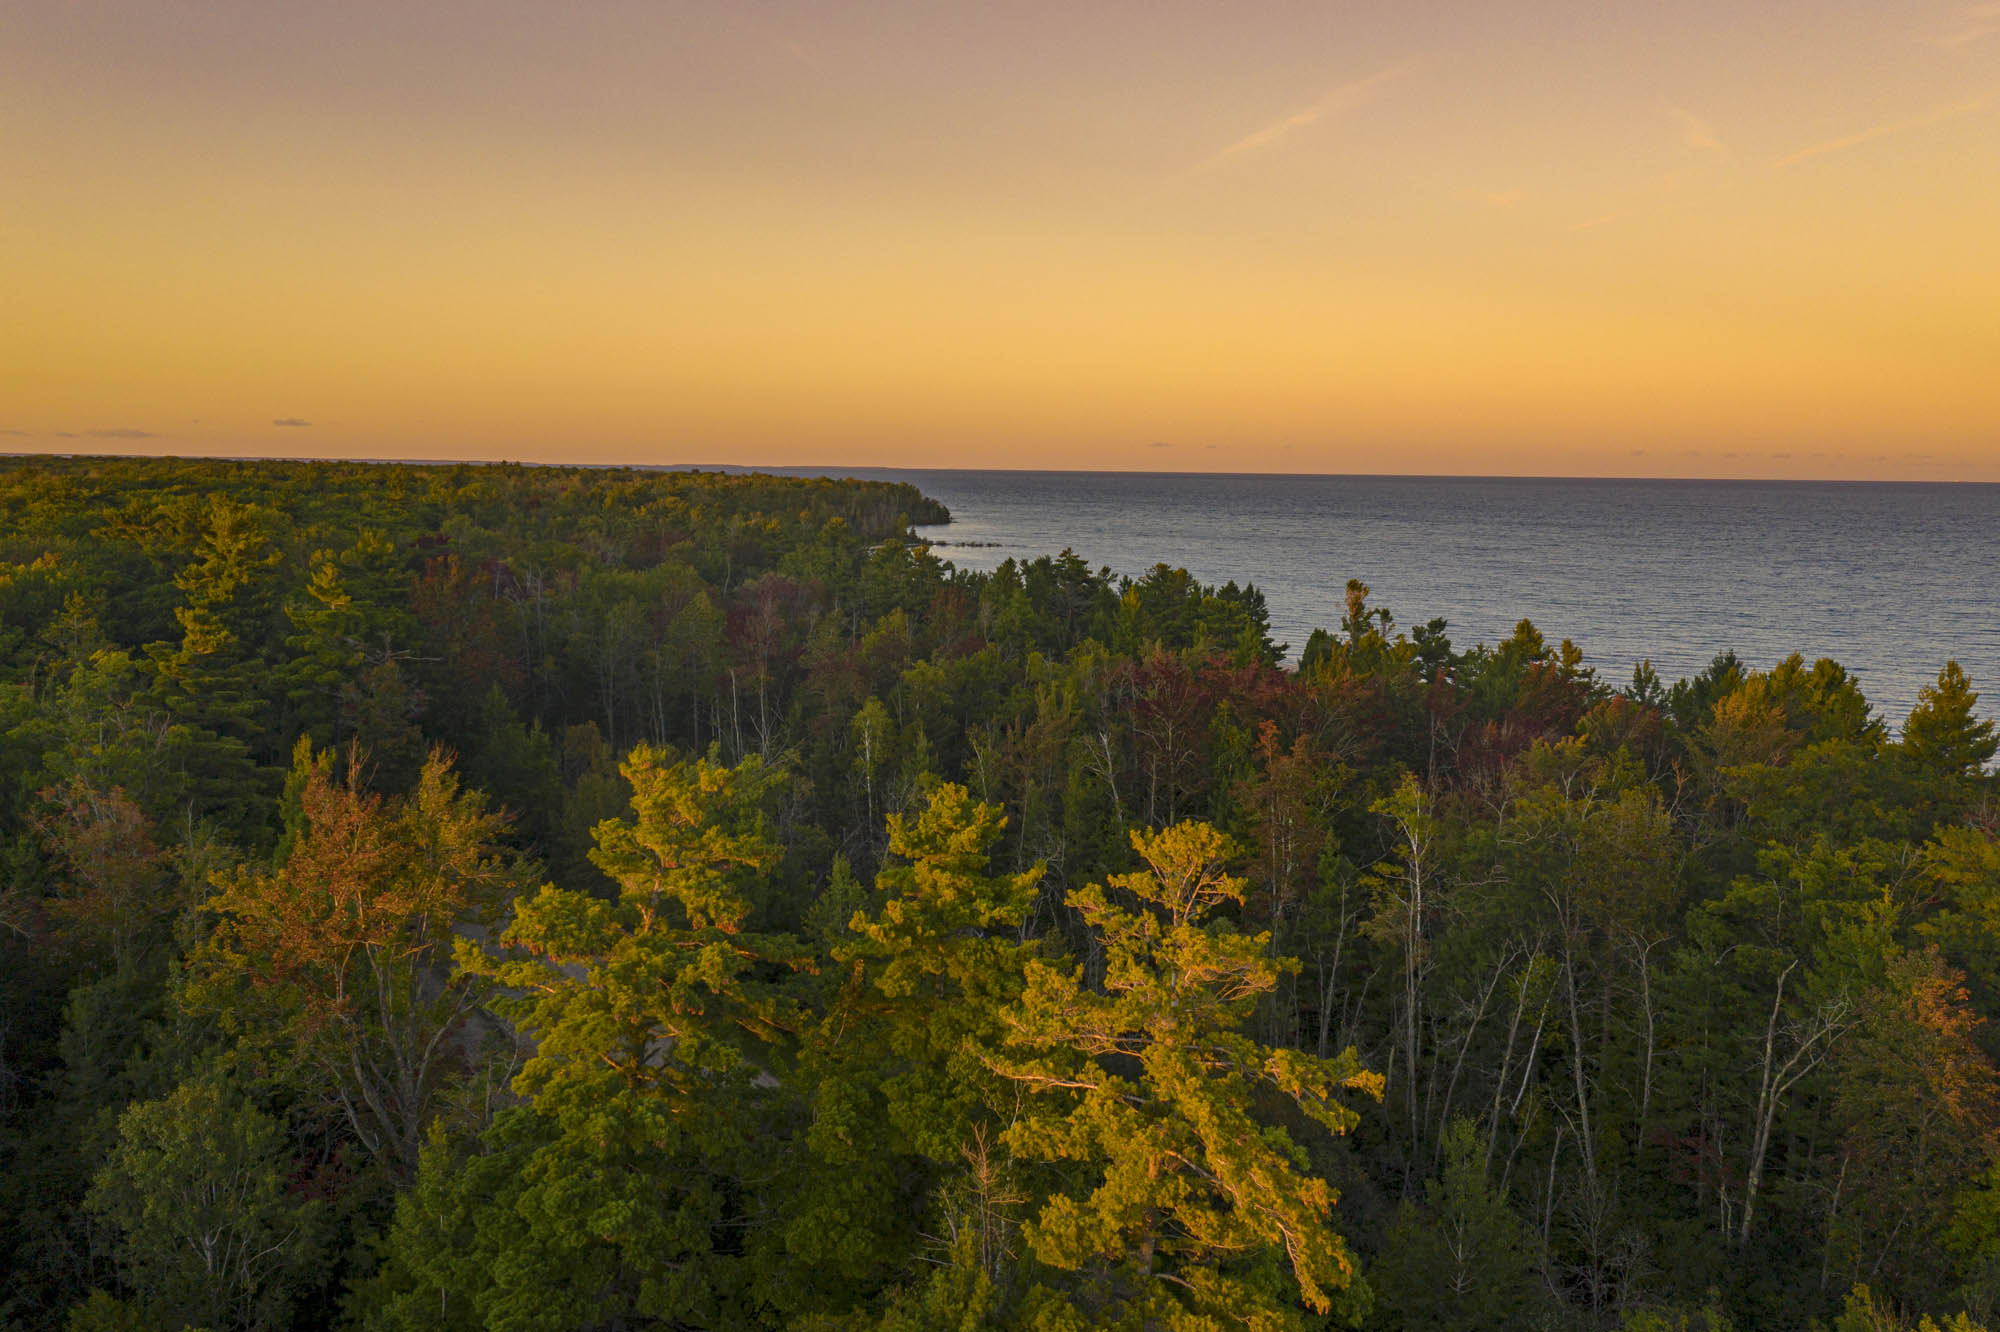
209,1230
491,897
1150,1089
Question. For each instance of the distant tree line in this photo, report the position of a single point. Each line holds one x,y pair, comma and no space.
519,898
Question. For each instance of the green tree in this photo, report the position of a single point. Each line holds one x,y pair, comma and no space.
1179,1204
1461,1260
1942,734
208,1230
211,680
944,950
635,1173
1916,1100
326,648
903,1110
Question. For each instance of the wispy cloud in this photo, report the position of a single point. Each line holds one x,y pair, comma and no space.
121,432
1935,116
1972,23
23,434
1696,132
1343,98
291,421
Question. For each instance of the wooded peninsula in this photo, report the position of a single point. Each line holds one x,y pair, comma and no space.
538,899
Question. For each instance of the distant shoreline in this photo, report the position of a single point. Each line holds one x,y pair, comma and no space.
854,469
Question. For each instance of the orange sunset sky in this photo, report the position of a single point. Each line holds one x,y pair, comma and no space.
1712,239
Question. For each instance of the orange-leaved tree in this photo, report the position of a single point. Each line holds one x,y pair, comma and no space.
340,957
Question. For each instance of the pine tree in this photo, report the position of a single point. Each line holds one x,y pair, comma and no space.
903,1109
638,1175
944,950
1181,1204
1942,734
1460,1261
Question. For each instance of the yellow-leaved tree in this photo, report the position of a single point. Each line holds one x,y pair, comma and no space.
1181,1205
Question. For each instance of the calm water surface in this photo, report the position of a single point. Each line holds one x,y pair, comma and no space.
1889,580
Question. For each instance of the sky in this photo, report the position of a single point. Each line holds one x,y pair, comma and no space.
1409,236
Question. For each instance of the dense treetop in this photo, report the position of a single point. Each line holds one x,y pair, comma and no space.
501,897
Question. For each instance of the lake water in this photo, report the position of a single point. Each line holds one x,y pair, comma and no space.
1890,580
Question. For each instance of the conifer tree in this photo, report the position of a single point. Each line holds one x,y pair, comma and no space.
904,1118
637,1174
326,650
1942,734
944,950
1460,1261
1180,1205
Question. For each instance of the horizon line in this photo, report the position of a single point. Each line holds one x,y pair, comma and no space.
849,468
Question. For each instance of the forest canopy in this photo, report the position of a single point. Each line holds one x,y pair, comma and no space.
536,898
